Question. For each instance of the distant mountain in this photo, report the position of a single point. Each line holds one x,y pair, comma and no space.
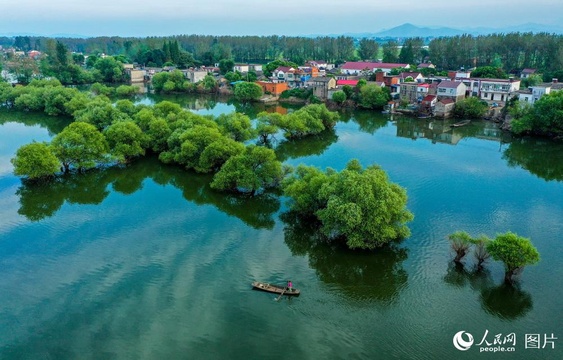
410,30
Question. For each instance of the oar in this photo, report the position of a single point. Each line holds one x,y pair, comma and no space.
279,297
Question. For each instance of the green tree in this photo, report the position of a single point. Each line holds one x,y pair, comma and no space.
544,118
247,91
232,76
339,97
257,168
36,161
126,140
480,250
391,52
209,83
471,107
110,69
368,49
514,251
266,126
226,65
489,72
373,97
217,153
460,242
81,145
360,206
236,125
126,90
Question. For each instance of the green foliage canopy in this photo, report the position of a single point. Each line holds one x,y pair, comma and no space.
359,205
81,145
514,251
36,161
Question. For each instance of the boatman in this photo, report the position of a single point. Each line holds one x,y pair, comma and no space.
289,285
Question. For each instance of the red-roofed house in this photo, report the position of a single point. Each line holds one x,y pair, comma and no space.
429,100
346,82
357,67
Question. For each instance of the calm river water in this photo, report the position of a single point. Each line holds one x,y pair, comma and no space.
147,262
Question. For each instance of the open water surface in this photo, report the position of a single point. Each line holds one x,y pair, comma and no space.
147,262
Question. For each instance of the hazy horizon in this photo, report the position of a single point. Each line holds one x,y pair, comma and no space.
254,17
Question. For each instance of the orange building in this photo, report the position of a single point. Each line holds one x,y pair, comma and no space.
273,88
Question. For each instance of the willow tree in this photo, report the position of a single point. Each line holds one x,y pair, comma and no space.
81,145
36,161
360,206
515,252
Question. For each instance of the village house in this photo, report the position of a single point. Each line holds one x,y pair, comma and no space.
388,80
498,89
358,67
534,93
429,101
422,91
273,88
351,83
293,77
453,75
321,86
135,75
320,64
310,71
243,68
408,92
444,107
416,76
194,75
453,90
526,73
426,66
34,54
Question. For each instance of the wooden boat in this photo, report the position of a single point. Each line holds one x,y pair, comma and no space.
276,289
461,123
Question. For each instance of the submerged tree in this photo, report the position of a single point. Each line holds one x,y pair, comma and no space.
80,144
515,252
36,161
257,168
480,250
460,242
360,206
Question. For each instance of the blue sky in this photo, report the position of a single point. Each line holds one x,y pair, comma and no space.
263,17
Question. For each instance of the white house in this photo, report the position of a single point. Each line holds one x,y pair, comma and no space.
453,90
534,93
243,68
498,89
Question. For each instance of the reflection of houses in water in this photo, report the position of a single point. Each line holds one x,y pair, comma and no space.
276,109
442,132
201,104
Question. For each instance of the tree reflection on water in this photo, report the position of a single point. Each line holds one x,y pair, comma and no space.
41,200
362,276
